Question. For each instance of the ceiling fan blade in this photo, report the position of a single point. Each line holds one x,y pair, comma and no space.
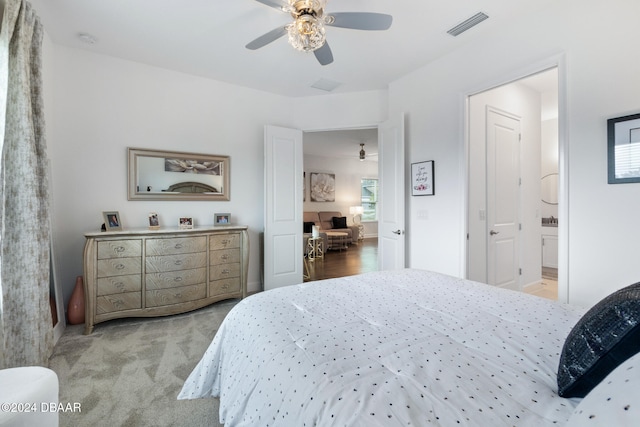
276,4
267,38
323,54
360,20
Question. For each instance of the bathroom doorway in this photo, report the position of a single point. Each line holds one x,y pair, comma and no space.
533,103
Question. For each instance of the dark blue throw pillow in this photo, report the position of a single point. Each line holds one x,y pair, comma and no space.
307,227
606,336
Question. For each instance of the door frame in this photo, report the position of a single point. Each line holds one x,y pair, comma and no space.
511,76
343,128
356,127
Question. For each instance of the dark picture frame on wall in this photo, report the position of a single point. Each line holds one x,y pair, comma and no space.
422,178
623,149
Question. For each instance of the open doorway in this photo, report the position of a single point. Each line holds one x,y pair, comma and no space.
337,154
513,204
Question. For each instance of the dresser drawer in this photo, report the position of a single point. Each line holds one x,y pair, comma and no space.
224,286
119,284
176,245
118,302
224,241
119,248
157,264
224,256
224,271
160,297
171,279
119,266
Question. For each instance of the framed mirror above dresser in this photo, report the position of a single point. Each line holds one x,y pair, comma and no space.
174,175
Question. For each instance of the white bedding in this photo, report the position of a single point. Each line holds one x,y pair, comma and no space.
390,348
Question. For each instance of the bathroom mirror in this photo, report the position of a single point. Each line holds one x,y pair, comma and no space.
174,175
549,189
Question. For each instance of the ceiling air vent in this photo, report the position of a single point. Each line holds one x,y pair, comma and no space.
326,85
471,22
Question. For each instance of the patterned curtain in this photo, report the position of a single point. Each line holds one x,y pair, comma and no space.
26,331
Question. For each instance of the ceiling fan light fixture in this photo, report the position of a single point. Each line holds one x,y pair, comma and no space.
306,33
362,153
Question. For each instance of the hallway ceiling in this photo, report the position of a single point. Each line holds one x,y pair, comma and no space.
207,38
344,144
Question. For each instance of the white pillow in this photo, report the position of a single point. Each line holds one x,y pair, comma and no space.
613,402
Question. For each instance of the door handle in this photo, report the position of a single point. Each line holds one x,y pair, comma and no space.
398,232
493,233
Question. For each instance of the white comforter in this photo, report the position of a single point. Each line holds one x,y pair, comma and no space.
406,347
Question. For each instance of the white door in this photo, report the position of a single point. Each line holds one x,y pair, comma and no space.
391,241
283,182
503,199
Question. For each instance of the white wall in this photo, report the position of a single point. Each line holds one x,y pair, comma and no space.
599,80
340,111
101,105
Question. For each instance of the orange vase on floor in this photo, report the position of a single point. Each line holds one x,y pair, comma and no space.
75,311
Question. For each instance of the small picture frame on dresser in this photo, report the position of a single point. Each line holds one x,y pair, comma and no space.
221,219
154,222
185,223
112,220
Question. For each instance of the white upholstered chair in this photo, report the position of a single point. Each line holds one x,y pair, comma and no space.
29,396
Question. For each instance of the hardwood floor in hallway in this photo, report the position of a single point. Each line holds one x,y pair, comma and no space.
356,259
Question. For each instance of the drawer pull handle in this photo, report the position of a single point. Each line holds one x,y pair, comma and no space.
225,271
178,262
225,257
120,267
178,295
178,279
225,286
178,246
119,249
120,285
226,242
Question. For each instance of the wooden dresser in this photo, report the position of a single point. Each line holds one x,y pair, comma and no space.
147,273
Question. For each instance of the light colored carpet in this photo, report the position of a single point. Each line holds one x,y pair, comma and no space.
130,371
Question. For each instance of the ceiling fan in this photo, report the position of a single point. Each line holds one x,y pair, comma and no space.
307,33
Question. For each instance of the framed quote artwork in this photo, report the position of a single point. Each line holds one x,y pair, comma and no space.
422,179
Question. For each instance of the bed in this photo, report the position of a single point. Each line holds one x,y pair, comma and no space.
407,347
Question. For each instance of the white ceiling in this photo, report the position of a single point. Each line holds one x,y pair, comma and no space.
207,38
